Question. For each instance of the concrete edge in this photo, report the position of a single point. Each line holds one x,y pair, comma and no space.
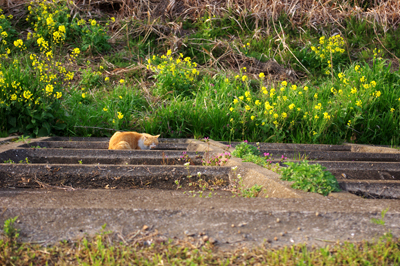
370,148
252,174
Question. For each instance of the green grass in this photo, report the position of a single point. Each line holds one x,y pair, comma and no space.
175,103
100,250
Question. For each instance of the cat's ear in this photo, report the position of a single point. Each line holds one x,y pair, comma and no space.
157,136
145,137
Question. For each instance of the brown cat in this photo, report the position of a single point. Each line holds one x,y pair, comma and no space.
132,141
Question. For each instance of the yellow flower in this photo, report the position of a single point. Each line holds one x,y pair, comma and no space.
373,83
362,79
306,88
120,97
169,52
263,123
349,123
121,81
392,110
105,109
353,90
13,97
247,94
316,96
359,103
318,107
284,83
282,89
113,121
49,89
327,116
284,98
231,120
257,102
235,101
231,109
284,115
93,22
61,28
356,68
261,75
378,94
294,87
241,98
314,133
120,115
316,116
247,107
83,95
18,43
244,78
252,117
112,19
291,106
58,95
106,79
276,115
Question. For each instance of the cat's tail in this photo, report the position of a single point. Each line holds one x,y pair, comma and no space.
122,145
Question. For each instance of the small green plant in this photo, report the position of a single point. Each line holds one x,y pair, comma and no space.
244,149
80,162
9,229
9,161
25,161
251,192
310,177
22,138
178,185
380,221
249,153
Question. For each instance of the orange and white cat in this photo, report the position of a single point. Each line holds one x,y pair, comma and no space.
132,141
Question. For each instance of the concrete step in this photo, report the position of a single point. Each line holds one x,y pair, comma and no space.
48,216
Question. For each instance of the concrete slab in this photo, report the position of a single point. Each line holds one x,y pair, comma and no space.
53,215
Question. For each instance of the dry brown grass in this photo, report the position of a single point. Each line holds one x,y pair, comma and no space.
300,12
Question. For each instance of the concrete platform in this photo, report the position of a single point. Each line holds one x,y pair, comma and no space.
51,215
72,186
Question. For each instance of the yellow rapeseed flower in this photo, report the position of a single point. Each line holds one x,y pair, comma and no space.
252,117
231,109
121,81
244,78
105,109
120,115
83,95
247,107
392,110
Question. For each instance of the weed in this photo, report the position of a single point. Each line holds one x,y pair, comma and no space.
310,177
380,221
26,161
9,229
9,161
80,162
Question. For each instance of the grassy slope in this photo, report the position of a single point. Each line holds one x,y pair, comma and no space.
222,43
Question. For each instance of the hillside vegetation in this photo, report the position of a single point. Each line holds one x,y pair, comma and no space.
271,71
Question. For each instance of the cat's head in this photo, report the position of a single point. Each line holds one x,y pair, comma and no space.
150,141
